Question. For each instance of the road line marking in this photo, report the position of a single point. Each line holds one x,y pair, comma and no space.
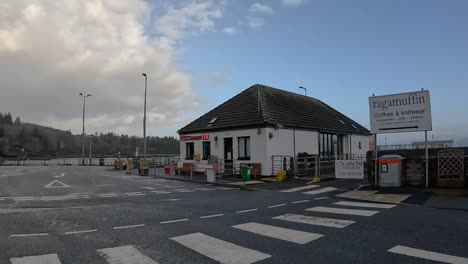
429,255
344,211
219,250
29,235
174,221
136,194
61,184
211,216
170,200
323,190
276,205
224,188
129,226
291,235
125,255
108,195
370,205
1,199
148,188
49,259
205,189
246,211
160,192
23,198
80,232
308,187
184,191
301,201
321,198
208,190
313,220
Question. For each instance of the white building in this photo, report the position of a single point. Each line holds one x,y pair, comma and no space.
262,122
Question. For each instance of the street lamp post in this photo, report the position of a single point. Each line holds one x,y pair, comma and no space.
305,90
83,134
144,121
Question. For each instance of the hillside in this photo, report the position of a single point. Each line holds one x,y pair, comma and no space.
40,141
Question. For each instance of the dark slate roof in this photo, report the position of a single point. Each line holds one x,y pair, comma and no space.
275,107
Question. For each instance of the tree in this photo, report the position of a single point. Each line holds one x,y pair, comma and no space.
2,132
7,120
17,121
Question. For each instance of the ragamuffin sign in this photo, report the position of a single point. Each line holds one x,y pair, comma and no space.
405,112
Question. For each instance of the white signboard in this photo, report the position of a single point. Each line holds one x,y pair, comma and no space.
349,169
404,112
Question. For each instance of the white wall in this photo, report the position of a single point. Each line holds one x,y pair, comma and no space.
257,146
365,140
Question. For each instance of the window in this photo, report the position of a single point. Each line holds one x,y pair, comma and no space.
189,151
244,148
360,146
330,144
206,149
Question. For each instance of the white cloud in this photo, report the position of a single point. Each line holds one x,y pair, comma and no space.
191,18
257,14
230,30
293,3
259,9
52,50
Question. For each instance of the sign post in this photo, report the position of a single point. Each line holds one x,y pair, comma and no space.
404,112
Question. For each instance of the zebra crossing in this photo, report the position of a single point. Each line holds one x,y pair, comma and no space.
224,250
312,189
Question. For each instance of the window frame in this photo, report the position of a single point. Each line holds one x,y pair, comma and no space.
187,144
245,156
205,157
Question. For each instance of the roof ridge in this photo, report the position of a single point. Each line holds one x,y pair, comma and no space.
260,102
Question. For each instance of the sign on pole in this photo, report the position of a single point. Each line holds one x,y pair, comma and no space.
349,169
405,112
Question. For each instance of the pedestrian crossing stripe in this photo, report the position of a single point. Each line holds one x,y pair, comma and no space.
314,220
308,187
322,190
124,255
429,255
332,210
290,235
369,205
40,259
219,250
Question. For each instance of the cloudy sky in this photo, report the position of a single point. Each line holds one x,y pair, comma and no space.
199,53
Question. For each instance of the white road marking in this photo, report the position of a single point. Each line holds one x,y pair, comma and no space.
276,205
135,194
174,221
429,255
148,188
129,226
205,189
323,190
211,216
301,201
41,259
220,250
125,255
160,192
313,220
58,176
29,235
246,211
321,198
170,200
80,232
1,199
53,184
369,205
23,198
224,188
333,210
184,190
291,235
106,195
308,187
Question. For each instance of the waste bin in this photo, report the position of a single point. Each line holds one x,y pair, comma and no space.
101,162
390,170
245,172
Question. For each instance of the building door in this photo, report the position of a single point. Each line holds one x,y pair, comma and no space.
228,157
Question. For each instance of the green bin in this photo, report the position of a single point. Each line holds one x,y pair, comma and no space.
245,172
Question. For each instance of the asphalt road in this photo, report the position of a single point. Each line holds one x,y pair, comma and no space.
92,215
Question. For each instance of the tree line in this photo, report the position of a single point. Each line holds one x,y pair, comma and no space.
25,139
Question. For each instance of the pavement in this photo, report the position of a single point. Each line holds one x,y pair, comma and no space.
105,216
